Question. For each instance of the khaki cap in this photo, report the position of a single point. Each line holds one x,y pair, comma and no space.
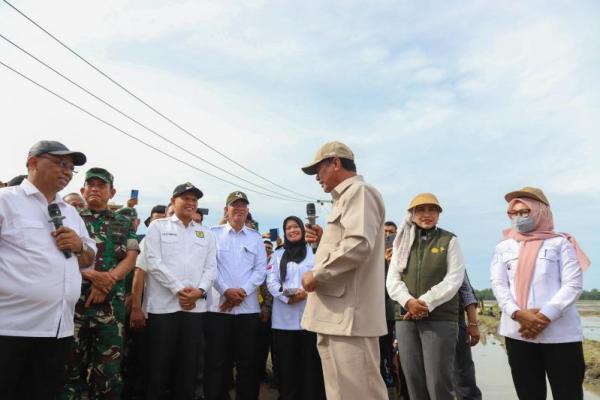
328,150
529,192
424,198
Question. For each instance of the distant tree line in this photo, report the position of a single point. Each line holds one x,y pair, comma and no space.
484,294
487,294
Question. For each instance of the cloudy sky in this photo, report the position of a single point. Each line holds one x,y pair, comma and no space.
468,100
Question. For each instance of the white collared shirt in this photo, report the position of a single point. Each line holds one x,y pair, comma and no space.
241,263
287,316
439,293
39,287
555,286
141,262
177,257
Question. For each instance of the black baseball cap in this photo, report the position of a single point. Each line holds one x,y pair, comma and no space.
187,187
16,181
156,209
57,149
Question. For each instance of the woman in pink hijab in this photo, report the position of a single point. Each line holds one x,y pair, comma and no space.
537,276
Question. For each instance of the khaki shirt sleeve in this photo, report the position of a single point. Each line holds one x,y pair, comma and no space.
358,225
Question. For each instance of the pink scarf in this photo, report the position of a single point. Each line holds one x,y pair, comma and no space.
531,242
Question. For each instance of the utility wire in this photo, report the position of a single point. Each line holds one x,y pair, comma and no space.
150,106
141,124
137,139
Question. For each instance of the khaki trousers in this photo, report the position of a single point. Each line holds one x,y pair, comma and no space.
351,367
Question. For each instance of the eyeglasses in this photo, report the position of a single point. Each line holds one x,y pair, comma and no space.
61,163
521,213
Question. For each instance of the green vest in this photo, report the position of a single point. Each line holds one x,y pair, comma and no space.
427,266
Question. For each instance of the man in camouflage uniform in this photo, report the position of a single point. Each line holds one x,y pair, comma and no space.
100,312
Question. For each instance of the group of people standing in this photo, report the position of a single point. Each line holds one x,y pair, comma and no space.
196,290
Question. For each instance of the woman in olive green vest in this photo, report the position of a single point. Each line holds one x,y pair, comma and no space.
426,271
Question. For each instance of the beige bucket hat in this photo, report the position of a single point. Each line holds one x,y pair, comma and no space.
424,198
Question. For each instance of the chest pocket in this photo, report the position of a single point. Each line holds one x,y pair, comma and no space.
333,231
200,250
118,232
510,261
249,254
168,244
29,233
548,261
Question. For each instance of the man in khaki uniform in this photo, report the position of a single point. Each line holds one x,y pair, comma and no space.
345,306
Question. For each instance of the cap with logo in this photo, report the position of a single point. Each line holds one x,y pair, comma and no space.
158,209
422,199
57,149
529,192
328,150
99,173
187,187
235,196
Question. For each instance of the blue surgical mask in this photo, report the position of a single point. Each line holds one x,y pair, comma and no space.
522,224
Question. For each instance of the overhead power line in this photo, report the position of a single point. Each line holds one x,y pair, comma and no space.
171,121
140,140
145,126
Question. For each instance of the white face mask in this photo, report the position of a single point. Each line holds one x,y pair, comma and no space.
522,224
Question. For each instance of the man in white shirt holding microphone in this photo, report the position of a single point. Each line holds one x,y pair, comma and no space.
40,280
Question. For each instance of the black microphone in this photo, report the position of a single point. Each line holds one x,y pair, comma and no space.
56,218
311,216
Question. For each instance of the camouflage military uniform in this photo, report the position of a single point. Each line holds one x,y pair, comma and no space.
97,353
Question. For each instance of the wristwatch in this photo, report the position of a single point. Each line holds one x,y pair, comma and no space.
84,249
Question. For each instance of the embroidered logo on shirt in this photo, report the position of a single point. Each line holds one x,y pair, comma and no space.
436,250
200,234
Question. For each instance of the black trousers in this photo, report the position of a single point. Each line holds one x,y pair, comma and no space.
386,352
299,365
133,366
173,341
264,345
33,367
530,363
465,384
229,339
